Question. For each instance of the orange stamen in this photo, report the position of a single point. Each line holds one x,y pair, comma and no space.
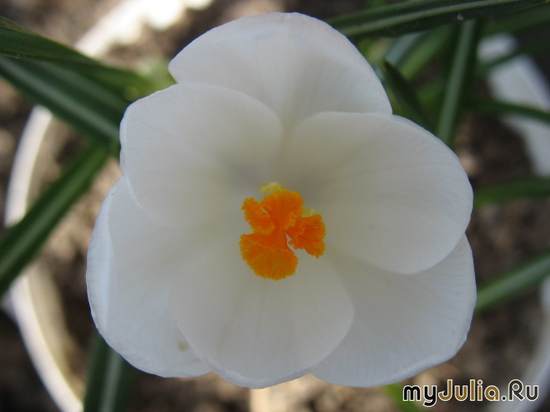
276,221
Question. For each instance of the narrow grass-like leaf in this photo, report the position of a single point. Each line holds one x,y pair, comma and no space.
90,108
18,42
408,17
510,191
459,80
413,52
403,47
405,95
520,21
506,108
109,382
513,282
395,392
22,241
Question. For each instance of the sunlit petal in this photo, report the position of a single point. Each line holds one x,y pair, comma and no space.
129,286
192,151
403,324
314,67
388,190
254,331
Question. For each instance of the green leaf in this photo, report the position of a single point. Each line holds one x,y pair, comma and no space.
459,80
110,379
510,191
22,241
18,42
412,52
520,21
506,108
402,18
405,95
403,47
513,282
92,109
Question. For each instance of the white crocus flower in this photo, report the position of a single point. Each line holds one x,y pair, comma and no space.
274,218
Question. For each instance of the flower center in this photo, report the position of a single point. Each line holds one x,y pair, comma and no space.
277,221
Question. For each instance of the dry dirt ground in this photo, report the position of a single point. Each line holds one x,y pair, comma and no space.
500,341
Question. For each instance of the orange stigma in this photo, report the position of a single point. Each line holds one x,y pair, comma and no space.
277,221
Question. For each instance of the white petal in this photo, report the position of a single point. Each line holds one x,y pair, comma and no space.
258,332
388,190
129,298
295,64
402,324
192,151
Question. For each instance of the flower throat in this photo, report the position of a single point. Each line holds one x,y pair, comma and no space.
277,221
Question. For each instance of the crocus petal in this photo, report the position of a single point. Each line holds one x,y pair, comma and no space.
258,332
403,324
185,252
295,64
388,190
128,288
190,152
